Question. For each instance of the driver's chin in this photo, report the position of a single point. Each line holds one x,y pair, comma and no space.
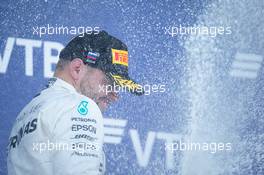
99,100
102,105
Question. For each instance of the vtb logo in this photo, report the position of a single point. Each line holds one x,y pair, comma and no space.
114,131
246,65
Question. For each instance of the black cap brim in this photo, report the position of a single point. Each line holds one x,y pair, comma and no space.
128,83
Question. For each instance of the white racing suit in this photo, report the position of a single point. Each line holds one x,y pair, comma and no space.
60,132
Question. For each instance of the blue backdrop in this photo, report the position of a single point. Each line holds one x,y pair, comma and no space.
146,124
140,25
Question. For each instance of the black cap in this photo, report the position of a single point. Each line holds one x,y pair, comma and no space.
105,52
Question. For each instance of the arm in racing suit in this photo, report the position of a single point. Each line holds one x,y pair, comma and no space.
60,132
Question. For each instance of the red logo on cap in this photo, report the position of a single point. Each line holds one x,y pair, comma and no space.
120,57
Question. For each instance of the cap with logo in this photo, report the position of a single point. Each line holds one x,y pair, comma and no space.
105,52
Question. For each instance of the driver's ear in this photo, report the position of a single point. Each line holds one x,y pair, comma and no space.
76,68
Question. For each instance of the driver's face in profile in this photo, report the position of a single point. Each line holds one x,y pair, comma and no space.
97,86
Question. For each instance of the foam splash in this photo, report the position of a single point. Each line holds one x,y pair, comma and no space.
222,107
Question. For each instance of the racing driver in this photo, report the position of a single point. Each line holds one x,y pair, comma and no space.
60,132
